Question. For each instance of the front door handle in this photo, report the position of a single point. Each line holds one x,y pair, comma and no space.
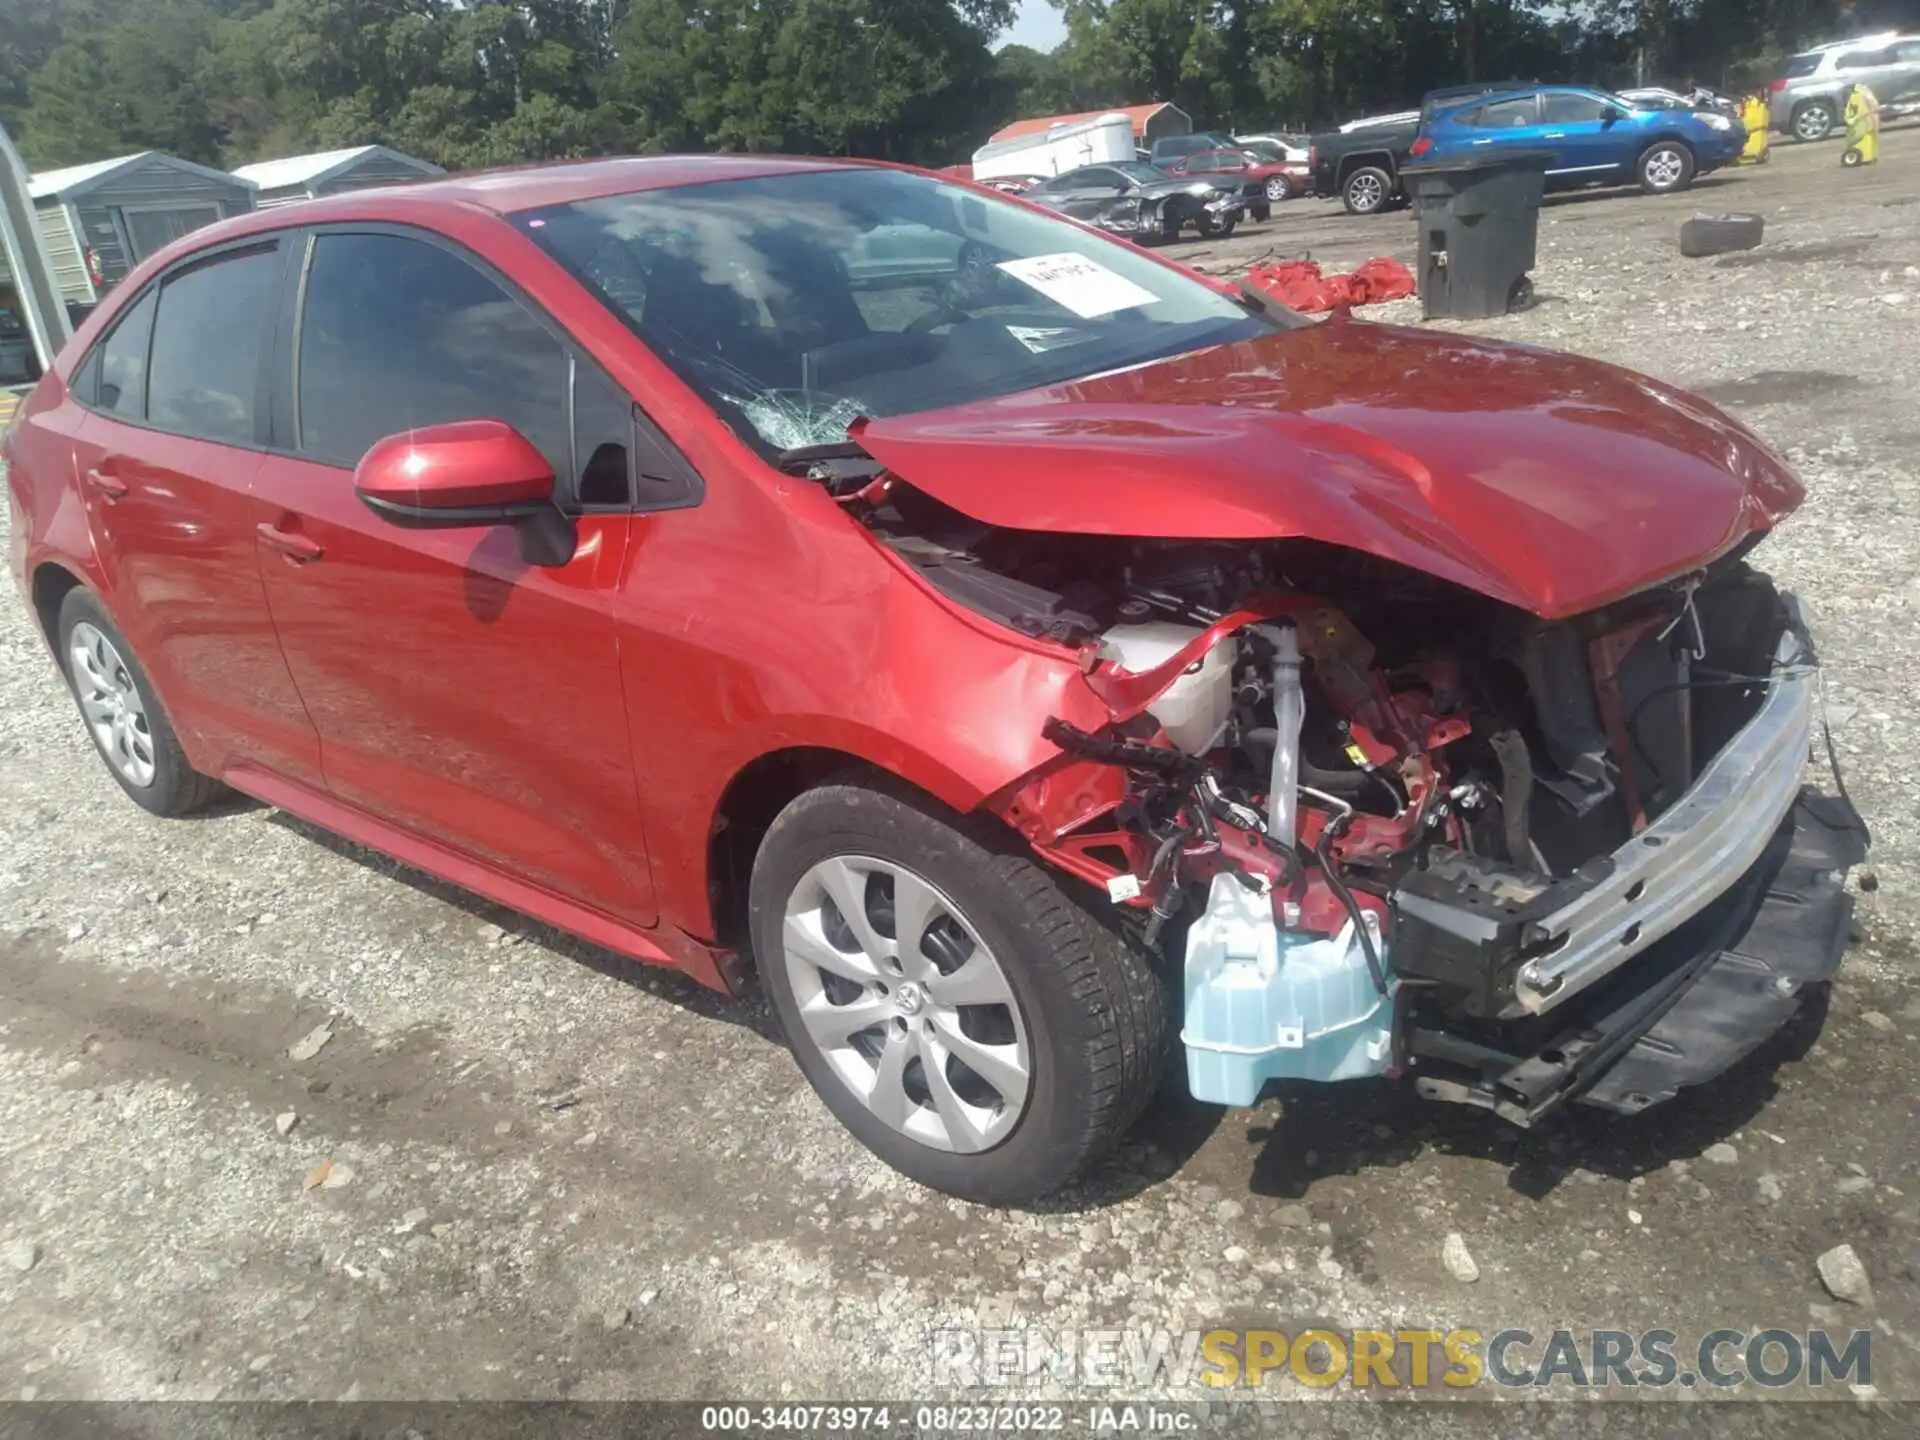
297,548
108,487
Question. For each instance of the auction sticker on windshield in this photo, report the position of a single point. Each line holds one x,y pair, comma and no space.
1081,285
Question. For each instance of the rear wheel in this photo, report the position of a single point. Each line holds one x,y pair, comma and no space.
123,714
961,1015
1278,189
1217,229
1666,168
1367,191
1814,120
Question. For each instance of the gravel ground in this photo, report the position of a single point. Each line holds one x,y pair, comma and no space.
556,1175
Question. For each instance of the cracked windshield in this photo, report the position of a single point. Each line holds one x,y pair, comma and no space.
797,303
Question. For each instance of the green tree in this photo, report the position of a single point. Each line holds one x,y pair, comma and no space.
132,85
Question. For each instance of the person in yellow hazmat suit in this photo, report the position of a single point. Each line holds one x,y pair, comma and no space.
1754,115
1863,128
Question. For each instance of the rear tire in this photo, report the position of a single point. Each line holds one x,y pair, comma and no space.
1216,229
1076,1019
1278,189
1813,121
1367,191
1665,168
123,714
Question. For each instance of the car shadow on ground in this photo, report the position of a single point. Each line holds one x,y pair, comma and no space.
1351,1129
745,1010
1322,1131
1704,184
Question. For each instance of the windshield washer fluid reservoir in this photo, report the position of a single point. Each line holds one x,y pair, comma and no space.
1264,1003
1196,705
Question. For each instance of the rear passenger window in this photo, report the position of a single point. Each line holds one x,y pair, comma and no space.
1568,109
209,344
120,386
1508,114
399,333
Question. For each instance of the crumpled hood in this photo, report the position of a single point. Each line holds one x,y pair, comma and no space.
1544,480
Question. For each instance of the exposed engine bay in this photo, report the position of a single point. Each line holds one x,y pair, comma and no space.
1383,823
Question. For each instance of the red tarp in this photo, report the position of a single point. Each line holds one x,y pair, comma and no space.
1299,285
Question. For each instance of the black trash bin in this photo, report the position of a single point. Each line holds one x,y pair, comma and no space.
1479,218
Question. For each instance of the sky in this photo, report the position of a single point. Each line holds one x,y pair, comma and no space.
1038,24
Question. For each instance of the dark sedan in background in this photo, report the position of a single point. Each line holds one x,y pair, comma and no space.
1141,202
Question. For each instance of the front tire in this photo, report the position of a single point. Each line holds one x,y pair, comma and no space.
123,714
1216,229
1665,168
966,1019
1367,191
1278,189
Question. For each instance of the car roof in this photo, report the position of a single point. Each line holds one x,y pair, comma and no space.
510,190
1885,37
513,188
1515,92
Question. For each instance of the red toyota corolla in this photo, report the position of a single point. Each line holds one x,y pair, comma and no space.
1037,663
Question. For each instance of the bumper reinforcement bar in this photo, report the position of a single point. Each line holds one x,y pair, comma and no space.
1697,1002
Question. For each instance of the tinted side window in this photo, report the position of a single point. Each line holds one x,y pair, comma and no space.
1800,66
121,383
398,333
622,459
1907,52
1565,109
1508,114
603,436
1864,59
209,342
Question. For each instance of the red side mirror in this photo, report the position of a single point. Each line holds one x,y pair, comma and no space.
445,474
467,473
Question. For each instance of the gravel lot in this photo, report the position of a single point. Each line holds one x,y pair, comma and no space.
555,1175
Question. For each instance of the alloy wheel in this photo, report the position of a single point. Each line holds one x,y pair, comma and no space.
906,1003
1665,167
1366,193
1276,188
111,701
1813,123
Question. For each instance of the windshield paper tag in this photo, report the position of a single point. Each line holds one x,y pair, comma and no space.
1078,284
1041,341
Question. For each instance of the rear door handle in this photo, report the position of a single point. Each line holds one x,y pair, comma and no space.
107,487
297,548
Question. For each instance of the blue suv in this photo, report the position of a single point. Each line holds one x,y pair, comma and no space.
1594,138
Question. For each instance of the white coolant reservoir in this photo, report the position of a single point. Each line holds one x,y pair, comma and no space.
1198,703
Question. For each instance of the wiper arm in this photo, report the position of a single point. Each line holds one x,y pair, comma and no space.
1261,303
834,463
